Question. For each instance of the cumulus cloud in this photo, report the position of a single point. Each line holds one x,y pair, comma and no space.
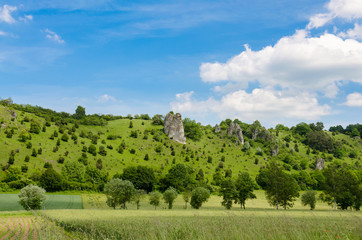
354,100
5,14
354,33
105,98
298,62
54,37
346,9
2,33
259,104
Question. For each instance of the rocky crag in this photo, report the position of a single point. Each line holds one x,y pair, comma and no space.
174,128
235,129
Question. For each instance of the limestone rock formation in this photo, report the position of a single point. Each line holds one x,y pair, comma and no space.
234,129
174,128
319,163
274,150
217,128
14,114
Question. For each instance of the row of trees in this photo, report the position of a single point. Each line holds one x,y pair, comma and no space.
341,186
120,192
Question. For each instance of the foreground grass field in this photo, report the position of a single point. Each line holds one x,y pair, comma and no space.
212,221
208,224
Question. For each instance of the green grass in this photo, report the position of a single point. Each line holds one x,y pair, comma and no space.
9,202
208,224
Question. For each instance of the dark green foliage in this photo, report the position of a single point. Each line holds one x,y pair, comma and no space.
65,137
24,168
192,129
343,186
99,164
142,177
61,160
320,141
179,177
29,145
228,192
27,158
146,158
102,151
169,196
302,129
134,134
50,180
130,124
92,150
34,153
200,175
309,198
244,187
158,120
11,159
35,127
281,189
79,113
199,196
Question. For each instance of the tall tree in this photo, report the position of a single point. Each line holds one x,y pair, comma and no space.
199,196
244,189
281,189
228,192
79,112
169,196
119,192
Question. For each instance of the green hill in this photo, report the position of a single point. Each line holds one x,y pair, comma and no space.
63,139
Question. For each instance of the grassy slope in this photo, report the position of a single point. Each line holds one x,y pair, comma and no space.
210,145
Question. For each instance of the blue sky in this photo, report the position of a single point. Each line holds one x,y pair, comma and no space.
276,61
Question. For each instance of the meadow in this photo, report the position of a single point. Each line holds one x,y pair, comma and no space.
212,221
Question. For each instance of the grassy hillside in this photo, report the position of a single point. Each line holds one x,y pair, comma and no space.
225,153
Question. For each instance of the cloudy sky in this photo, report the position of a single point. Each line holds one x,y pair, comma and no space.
277,61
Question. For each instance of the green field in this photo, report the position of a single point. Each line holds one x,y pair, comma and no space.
208,224
212,221
9,202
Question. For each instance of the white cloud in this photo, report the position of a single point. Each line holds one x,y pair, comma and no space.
294,62
2,33
26,18
355,33
260,104
5,14
346,9
53,36
354,100
105,98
